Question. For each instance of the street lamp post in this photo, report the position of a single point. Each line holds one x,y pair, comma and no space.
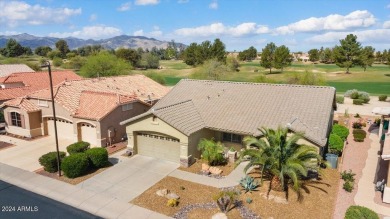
47,64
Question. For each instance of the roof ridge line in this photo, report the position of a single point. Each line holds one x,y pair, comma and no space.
164,107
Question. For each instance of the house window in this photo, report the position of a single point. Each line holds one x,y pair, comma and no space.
127,107
230,137
42,103
16,119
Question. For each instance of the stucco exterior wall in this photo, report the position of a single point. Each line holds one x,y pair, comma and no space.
26,131
194,139
111,122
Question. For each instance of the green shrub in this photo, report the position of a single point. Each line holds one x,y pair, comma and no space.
97,156
336,144
357,125
49,161
364,96
358,102
57,61
348,176
357,115
355,95
350,93
172,202
78,147
348,186
359,135
360,212
159,78
211,151
382,97
340,99
341,131
75,165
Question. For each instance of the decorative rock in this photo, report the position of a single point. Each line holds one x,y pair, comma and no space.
172,195
280,200
219,216
162,192
205,167
215,170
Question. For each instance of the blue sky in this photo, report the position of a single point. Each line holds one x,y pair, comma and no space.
299,24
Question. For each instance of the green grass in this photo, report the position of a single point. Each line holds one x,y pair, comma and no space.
374,88
171,81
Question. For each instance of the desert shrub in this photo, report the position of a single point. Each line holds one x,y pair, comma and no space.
364,96
49,161
358,102
350,93
97,156
225,199
341,131
172,202
78,147
249,184
75,165
357,125
348,176
355,211
357,115
340,99
348,186
359,135
212,151
57,61
336,144
382,97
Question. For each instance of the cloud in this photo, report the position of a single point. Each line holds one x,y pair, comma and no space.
333,22
386,25
213,5
90,32
369,36
147,2
15,13
138,33
8,33
183,1
93,17
217,29
124,7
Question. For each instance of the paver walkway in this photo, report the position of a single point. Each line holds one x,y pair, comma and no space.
229,181
366,193
91,201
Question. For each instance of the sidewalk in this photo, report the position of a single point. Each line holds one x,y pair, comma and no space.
229,181
365,194
97,204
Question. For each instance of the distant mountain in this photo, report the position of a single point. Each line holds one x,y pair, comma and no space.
124,41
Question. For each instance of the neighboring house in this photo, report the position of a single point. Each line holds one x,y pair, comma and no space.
86,110
20,84
8,69
228,111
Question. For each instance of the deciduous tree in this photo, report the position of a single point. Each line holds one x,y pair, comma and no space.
63,47
314,55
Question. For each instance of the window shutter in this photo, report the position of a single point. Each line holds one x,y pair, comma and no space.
22,120
9,122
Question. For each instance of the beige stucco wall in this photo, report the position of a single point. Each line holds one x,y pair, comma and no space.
30,123
194,139
147,124
112,121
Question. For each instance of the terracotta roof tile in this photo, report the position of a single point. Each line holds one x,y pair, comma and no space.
23,104
32,82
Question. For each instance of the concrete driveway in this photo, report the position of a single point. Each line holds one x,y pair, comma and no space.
129,178
25,154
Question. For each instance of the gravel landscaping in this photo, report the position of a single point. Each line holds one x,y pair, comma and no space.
197,167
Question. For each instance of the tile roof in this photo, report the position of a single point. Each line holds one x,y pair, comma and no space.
244,107
8,69
23,104
32,82
94,98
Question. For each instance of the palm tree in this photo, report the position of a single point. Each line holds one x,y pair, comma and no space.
281,156
212,151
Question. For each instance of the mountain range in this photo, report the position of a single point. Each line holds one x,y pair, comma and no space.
122,41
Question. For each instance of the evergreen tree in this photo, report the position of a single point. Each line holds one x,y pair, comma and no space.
347,54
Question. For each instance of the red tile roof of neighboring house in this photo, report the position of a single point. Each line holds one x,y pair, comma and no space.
32,82
95,105
23,104
95,98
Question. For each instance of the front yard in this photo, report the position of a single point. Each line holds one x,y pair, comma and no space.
318,199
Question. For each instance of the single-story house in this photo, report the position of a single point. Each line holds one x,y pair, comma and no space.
7,69
23,83
86,110
228,111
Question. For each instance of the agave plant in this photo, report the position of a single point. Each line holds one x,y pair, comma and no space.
249,184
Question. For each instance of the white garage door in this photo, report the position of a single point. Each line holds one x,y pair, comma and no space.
88,133
64,128
154,145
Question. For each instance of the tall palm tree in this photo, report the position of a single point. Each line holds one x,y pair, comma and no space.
282,156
